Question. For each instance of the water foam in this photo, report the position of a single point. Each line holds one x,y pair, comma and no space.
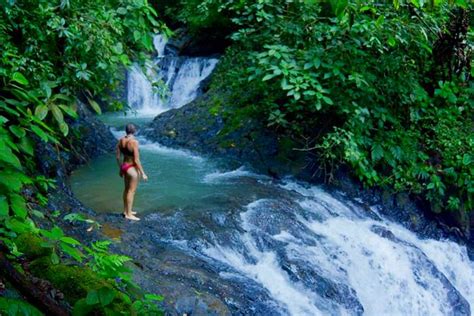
147,145
216,177
391,270
265,269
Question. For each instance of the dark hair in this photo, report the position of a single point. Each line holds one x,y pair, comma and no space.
130,129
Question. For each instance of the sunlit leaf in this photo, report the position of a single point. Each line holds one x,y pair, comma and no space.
18,205
57,113
41,134
41,111
18,77
17,131
95,106
7,156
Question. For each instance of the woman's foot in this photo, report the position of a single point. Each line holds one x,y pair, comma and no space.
132,217
133,213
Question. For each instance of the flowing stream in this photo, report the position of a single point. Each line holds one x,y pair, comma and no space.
309,251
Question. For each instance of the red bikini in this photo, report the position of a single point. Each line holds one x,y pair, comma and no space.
126,153
124,167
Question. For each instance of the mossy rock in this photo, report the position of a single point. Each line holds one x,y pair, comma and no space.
30,245
75,282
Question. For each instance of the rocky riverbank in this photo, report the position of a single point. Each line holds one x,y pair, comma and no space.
252,144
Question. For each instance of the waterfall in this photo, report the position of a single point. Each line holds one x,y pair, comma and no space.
182,77
323,256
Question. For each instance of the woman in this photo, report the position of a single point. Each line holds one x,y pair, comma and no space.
130,169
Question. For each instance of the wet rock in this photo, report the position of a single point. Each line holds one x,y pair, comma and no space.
202,44
200,305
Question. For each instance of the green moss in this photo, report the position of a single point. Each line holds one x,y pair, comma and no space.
75,282
30,245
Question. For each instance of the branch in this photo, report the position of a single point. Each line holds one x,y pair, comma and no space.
34,295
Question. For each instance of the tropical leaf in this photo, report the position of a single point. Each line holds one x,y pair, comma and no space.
3,206
18,77
95,106
41,112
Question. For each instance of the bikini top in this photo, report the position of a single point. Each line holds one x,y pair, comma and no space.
124,149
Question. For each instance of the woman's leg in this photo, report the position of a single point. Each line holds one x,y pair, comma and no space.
125,190
132,178
126,181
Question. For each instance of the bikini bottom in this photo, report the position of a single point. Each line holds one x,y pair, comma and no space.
124,167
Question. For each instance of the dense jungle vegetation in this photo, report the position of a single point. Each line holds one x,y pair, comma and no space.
50,53
384,87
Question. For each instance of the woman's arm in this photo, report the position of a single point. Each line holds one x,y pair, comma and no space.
117,154
136,161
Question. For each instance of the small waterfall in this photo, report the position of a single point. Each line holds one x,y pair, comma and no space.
159,42
181,75
188,78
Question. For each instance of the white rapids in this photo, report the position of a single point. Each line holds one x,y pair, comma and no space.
391,270
182,77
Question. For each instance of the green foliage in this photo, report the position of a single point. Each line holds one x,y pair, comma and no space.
196,14
14,307
32,246
51,52
103,284
360,81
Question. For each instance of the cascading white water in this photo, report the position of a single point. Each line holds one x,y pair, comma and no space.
140,95
159,42
181,75
188,78
390,269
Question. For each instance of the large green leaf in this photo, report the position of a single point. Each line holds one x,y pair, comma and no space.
64,128
41,112
69,240
95,106
18,226
55,233
38,131
69,110
82,308
3,206
18,205
92,297
7,156
338,6
71,251
106,295
26,146
57,113
18,131
18,77
12,180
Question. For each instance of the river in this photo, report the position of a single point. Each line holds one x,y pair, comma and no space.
288,247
